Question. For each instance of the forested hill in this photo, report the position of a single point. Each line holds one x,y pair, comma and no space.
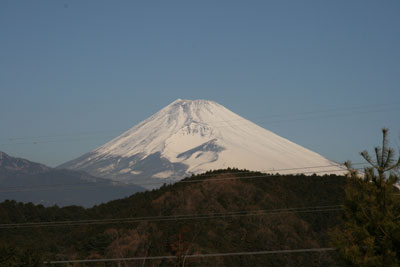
218,212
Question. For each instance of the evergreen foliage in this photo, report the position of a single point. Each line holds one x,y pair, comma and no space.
370,232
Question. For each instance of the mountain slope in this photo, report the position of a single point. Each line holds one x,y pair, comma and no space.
27,181
189,137
10,165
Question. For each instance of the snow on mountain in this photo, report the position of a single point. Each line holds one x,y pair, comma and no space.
193,136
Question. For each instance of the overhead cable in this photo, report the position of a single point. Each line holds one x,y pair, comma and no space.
243,213
241,253
169,181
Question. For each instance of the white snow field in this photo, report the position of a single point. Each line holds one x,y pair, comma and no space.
194,136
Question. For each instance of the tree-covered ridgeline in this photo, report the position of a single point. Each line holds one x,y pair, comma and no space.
211,194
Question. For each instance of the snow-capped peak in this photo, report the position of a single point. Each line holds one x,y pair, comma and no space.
193,136
168,127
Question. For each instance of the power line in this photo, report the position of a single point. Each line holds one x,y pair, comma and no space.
252,177
221,126
384,106
290,169
258,117
63,135
63,187
77,185
241,253
59,141
315,117
243,213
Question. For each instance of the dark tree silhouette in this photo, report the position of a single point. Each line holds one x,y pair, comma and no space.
370,232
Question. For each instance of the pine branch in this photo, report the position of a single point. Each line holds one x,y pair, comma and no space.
384,144
395,166
367,157
389,158
378,155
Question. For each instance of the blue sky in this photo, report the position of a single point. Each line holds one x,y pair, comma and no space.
74,74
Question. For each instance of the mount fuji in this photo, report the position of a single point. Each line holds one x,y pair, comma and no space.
193,136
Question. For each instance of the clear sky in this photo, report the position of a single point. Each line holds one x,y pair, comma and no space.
74,74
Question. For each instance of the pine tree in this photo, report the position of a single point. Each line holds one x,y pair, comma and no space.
370,232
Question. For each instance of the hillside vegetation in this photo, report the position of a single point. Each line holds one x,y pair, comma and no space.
217,192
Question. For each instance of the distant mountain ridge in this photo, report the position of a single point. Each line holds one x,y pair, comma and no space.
191,137
10,164
28,181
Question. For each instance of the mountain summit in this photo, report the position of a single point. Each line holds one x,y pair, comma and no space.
193,136
10,164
